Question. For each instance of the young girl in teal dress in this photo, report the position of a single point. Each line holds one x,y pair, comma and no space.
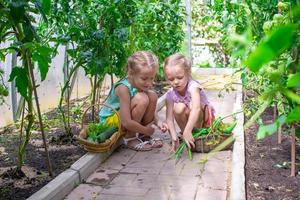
135,102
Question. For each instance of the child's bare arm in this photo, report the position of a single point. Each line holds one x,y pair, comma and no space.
171,126
125,113
170,119
193,116
160,124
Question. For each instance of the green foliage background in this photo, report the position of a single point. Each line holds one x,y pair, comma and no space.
99,35
261,38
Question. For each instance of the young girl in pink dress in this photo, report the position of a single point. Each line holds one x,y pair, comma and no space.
186,101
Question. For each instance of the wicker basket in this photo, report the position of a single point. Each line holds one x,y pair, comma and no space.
98,147
207,143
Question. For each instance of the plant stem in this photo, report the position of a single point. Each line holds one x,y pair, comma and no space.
232,114
293,151
30,69
20,155
94,97
260,110
63,90
29,117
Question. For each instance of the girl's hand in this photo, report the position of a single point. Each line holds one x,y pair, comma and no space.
149,129
189,140
162,126
174,145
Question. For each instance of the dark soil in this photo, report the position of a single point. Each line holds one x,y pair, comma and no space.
63,152
268,172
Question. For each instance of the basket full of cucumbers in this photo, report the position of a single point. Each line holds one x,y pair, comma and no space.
99,137
207,139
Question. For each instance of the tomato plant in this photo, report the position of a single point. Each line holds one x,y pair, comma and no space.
17,25
262,39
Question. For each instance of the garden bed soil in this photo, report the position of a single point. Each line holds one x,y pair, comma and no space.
63,152
268,173
62,156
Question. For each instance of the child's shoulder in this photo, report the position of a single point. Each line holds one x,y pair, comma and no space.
194,84
121,87
123,81
170,91
124,86
170,94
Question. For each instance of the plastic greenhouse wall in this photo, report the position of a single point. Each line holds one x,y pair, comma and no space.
48,90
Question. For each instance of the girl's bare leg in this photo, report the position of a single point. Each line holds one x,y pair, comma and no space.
148,118
181,113
150,110
199,122
139,104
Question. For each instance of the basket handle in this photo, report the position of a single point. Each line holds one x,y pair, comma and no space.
100,104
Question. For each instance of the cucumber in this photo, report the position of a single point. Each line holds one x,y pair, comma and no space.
91,139
199,132
106,134
229,129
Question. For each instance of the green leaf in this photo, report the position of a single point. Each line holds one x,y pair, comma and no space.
267,130
21,78
260,56
281,39
43,7
278,41
72,52
42,55
294,80
46,4
2,56
294,115
244,78
17,11
296,14
281,120
28,31
275,76
291,95
298,133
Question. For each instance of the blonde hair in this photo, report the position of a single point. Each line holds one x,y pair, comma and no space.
178,59
141,59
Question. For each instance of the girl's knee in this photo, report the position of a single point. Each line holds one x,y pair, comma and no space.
141,99
180,109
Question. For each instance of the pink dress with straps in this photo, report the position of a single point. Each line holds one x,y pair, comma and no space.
208,110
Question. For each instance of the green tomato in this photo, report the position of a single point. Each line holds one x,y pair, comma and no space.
282,6
248,113
267,26
278,17
267,70
274,76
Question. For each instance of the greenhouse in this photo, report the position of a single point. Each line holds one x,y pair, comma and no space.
130,99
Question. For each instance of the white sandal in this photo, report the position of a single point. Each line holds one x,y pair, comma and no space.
141,146
155,142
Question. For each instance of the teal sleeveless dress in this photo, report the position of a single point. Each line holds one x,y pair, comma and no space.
114,101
